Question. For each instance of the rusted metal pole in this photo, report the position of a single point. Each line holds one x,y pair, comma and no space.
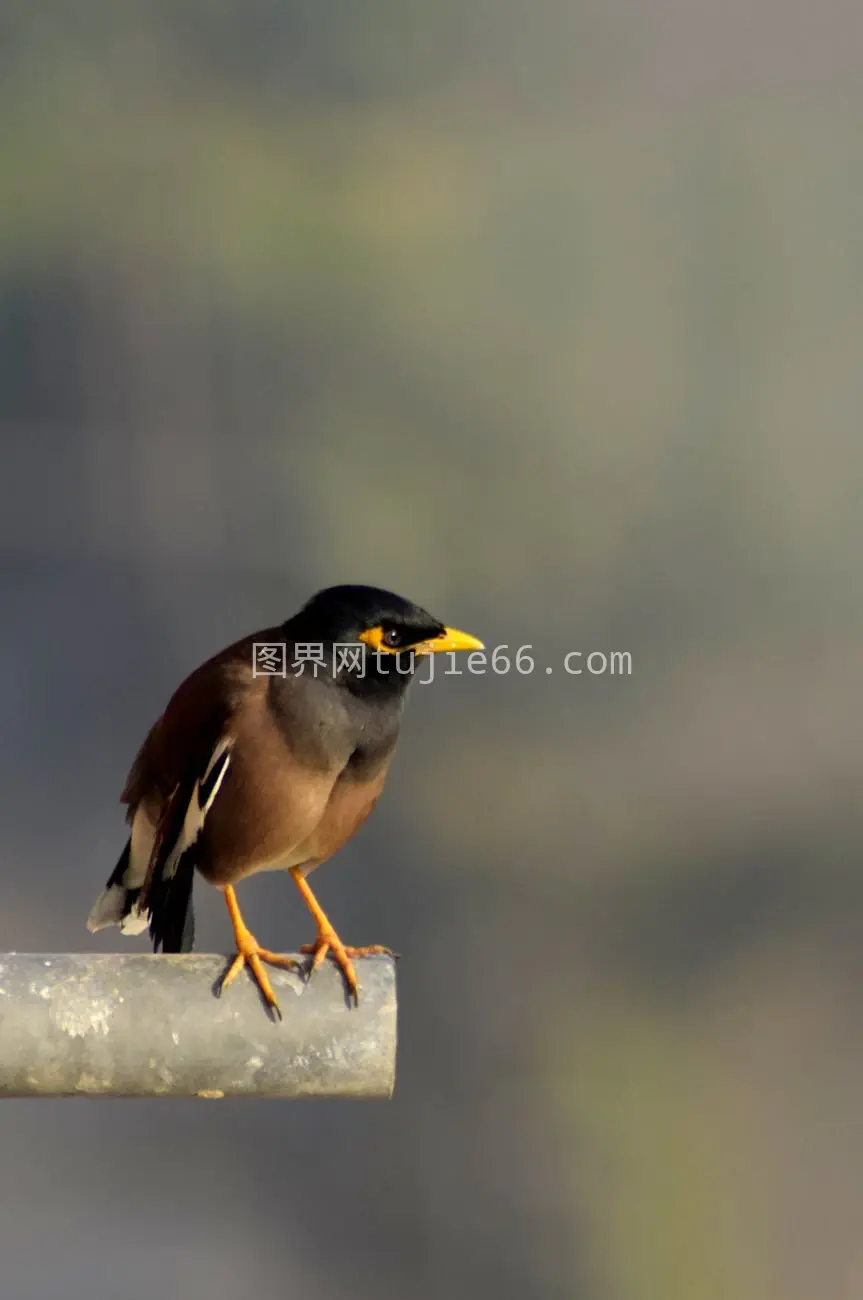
136,1025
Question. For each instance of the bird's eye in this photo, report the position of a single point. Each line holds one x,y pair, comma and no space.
392,638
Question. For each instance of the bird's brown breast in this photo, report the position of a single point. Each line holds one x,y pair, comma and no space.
289,800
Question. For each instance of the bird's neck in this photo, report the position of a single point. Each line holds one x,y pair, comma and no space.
380,681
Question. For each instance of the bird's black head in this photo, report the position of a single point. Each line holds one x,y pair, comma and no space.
344,613
392,632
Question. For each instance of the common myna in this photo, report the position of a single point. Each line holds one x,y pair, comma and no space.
270,755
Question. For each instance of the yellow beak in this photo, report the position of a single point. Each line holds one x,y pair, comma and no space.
449,639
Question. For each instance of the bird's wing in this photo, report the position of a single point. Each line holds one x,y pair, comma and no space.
173,783
183,739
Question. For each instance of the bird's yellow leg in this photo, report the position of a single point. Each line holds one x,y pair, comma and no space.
251,954
329,942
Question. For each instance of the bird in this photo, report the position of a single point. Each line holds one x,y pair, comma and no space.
269,756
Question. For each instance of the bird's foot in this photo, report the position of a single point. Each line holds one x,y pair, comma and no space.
251,954
329,943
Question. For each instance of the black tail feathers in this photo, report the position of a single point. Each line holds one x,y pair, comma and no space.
172,914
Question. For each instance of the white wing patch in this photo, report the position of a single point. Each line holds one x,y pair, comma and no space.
114,906
203,797
211,782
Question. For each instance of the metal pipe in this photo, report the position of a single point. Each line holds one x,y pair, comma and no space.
138,1025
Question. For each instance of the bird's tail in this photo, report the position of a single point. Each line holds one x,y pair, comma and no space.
169,904
118,903
167,913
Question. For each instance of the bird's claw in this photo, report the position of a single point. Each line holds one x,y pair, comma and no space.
251,954
329,944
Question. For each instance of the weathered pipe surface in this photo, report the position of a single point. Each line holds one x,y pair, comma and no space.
86,1025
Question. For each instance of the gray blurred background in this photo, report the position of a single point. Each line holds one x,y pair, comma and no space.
549,317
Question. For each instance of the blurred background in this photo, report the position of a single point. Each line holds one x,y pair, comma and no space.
549,318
